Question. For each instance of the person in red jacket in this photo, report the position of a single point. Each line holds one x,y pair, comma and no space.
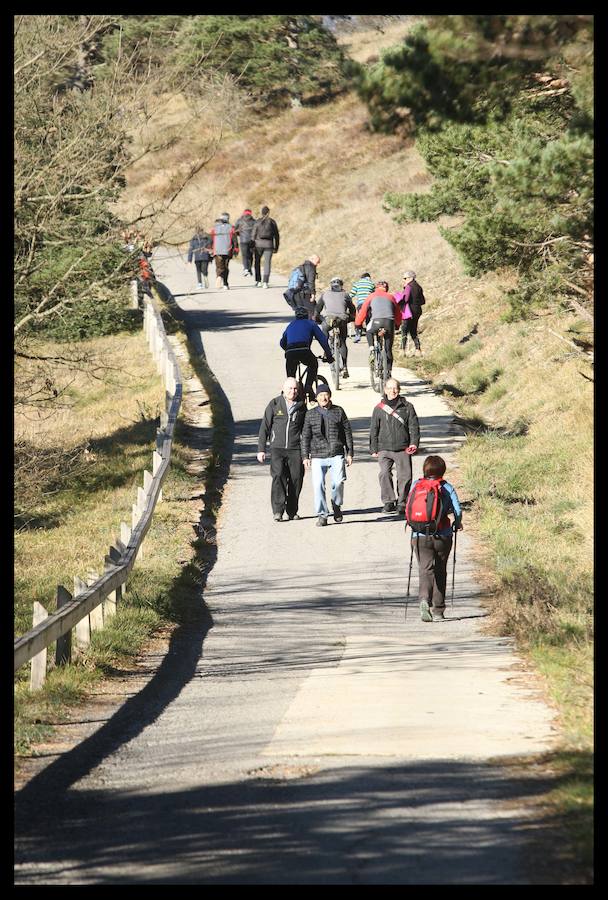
384,313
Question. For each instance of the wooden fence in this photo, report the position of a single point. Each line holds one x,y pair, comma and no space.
95,599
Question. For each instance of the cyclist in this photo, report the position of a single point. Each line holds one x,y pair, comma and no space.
360,290
296,341
385,313
336,303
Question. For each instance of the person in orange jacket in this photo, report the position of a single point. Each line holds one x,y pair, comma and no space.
384,313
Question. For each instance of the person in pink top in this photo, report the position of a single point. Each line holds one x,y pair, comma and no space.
384,313
410,300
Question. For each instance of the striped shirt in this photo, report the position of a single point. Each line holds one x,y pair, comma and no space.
361,289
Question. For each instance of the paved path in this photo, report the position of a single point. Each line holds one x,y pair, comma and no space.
300,730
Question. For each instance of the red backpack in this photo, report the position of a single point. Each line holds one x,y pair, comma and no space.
424,507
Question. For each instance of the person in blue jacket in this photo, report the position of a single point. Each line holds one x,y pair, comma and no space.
432,550
296,341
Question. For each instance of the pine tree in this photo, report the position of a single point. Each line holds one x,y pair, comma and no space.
502,107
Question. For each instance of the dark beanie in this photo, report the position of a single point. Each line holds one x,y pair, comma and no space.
323,389
265,210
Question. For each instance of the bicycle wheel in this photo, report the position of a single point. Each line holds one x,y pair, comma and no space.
384,373
373,378
335,366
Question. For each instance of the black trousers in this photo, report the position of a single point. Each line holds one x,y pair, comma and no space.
287,470
342,327
410,327
307,357
202,267
389,327
247,252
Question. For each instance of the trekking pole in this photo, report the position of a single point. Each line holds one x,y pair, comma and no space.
407,596
454,565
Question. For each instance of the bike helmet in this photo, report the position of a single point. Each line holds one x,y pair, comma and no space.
301,313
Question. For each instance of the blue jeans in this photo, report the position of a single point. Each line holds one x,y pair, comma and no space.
319,468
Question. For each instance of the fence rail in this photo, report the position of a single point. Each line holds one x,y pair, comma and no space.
94,600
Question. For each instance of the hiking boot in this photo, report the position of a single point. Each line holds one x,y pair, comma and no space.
437,615
337,512
277,517
425,611
389,507
321,520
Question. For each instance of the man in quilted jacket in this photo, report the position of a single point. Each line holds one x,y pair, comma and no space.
327,446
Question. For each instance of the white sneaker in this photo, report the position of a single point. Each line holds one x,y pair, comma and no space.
265,285
199,286
245,273
225,288
259,284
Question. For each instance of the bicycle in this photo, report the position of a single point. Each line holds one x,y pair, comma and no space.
378,364
301,376
333,336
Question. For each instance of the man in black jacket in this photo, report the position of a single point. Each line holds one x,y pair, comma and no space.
265,236
282,428
327,445
394,436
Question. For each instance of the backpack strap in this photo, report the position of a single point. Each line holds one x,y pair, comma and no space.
390,412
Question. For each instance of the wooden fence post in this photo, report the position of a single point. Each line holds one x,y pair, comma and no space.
63,647
82,629
96,614
114,597
38,663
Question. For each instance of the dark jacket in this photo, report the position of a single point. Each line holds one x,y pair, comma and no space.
386,431
268,227
303,296
200,247
300,333
417,300
279,429
244,227
326,434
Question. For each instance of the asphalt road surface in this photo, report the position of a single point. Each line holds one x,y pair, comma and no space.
301,729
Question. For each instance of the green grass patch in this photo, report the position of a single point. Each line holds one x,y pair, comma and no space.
76,522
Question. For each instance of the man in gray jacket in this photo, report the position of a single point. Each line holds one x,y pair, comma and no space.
394,436
225,246
244,229
282,428
336,304
266,238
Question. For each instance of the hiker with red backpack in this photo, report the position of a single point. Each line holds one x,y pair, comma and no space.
429,505
393,439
